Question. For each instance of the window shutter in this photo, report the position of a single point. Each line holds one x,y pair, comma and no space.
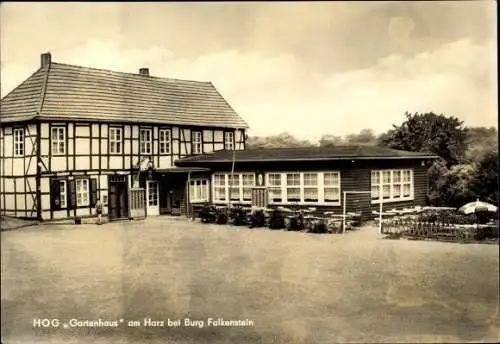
93,192
55,194
71,194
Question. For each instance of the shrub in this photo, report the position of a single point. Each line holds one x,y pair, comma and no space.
319,227
334,226
483,217
208,213
297,223
222,217
277,220
238,216
257,219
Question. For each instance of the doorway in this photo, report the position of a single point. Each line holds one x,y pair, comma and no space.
117,197
152,193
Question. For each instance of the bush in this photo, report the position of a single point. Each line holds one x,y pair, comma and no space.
222,217
277,220
319,227
483,217
297,223
257,219
238,216
208,213
334,226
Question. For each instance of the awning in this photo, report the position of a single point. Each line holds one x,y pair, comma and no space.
181,170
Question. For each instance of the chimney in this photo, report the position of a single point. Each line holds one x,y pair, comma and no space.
45,59
144,71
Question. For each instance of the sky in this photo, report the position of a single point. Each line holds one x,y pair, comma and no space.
306,68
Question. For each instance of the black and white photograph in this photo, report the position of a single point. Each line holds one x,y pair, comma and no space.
249,172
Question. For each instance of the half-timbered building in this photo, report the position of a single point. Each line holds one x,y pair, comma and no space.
71,135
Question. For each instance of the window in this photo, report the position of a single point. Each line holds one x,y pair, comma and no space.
152,193
386,184
145,138
115,140
58,194
234,190
82,192
58,138
311,187
165,141
375,184
198,190
304,187
238,188
196,142
274,184
407,183
63,193
293,187
19,142
395,185
331,187
247,183
229,140
219,187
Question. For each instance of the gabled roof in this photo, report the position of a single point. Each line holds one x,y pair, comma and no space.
303,154
67,92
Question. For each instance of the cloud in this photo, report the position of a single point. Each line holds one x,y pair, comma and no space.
279,92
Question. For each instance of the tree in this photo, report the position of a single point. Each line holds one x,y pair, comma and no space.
450,186
484,178
456,185
480,141
365,137
329,140
436,174
283,140
444,136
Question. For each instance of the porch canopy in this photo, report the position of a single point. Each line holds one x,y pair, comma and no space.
180,170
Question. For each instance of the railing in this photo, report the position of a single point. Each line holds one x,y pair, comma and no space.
436,223
137,203
439,230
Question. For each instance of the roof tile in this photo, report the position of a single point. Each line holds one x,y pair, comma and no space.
82,93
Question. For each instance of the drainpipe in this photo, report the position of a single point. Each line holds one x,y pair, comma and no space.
188,210
38,173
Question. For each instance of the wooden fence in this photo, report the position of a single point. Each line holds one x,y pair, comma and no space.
438,230
137,203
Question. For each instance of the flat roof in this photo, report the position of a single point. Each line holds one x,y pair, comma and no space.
304,154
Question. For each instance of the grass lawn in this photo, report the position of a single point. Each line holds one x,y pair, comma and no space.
295,287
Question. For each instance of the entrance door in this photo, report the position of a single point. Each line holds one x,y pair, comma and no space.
153,206
165,199
117,199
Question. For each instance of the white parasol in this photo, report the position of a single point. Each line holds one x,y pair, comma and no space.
476,206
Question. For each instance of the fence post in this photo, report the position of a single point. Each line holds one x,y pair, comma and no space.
380,210
344,212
